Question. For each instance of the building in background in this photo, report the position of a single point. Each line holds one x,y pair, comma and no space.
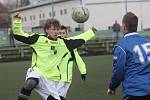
103,13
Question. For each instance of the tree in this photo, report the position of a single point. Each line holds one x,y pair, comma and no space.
4,16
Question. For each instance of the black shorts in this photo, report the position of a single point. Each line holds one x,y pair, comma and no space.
147,97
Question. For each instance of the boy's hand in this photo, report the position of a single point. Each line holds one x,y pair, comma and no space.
17,15
94,29
83,77
110,92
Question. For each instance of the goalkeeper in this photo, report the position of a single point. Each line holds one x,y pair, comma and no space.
48,52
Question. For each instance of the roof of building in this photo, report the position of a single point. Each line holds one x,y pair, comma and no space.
38,5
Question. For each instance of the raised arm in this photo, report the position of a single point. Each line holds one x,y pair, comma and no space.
78,40
19,34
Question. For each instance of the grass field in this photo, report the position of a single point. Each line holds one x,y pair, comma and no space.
99,68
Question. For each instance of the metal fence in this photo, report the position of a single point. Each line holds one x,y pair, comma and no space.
24,52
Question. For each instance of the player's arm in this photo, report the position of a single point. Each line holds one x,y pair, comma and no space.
27,40
78,40
118,69
17,25
19,34
87,35
81,65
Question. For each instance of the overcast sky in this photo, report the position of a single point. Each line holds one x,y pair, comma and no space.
7,0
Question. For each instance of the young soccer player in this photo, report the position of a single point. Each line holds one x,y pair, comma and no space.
48,52
66,66
131,62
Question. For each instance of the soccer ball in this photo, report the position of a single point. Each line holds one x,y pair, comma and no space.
80,14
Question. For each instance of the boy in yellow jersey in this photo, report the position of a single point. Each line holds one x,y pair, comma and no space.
48,53
66,66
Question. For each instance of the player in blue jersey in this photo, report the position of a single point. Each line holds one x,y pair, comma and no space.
131,65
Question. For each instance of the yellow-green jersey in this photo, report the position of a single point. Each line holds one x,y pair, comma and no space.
48,54
66,66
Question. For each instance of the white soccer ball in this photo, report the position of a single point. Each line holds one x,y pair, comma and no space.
80,14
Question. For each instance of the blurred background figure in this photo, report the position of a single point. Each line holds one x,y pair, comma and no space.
116,30
11,37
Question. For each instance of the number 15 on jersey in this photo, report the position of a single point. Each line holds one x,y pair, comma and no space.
141,50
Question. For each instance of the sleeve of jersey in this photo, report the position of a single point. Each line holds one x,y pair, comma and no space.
27,40
85,36
20,35
80,62
76,41
118,67
17,28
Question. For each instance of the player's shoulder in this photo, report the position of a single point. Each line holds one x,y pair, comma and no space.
40,34
121,41
36,33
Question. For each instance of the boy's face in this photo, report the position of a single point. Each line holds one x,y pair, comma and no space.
52,32
63,33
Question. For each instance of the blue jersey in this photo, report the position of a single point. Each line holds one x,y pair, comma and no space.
131,65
